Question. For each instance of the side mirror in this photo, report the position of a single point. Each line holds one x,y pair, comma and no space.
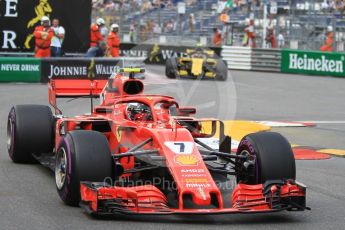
200,129
186,111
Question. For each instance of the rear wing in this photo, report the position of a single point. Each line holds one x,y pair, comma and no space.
76,88
93,77
71,88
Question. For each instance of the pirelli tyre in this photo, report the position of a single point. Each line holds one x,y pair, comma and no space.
171,68
269,157
82,156
221,70
29,131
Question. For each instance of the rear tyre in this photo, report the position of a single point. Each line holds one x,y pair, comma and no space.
171,68
82,156
221,70
29,131
270,158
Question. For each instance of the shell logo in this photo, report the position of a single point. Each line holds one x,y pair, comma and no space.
196,180
189,160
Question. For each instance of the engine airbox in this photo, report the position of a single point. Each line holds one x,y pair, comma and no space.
133,87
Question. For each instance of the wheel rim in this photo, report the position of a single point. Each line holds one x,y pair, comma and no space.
248,177
60,168
10,134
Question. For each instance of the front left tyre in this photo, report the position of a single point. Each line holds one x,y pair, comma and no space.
29,131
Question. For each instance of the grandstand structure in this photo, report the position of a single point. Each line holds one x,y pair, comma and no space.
303,23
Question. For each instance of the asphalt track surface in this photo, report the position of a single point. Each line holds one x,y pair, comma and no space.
28,198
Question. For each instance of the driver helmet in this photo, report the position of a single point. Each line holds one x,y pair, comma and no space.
199,48
138,112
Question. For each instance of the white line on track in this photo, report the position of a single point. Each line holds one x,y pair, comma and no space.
323,122
315,122
298,123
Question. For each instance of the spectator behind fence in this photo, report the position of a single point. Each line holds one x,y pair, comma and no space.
97,51
146,6
156,28
57,40
95,32
192,23
133,32
328,45
43,36
331,6
281,40
339,6
270,38
324,6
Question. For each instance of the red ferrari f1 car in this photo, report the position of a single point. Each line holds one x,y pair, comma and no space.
144,154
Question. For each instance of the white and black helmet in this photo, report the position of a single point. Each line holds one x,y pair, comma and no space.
100,21
114,26
45,19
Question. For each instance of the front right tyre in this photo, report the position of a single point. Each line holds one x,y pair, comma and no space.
269,157
221,70
171,68
82,156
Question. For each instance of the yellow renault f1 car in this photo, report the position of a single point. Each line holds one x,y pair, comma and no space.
200,63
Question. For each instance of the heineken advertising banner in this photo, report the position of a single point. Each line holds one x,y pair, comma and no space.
18,19
157,54
82,68
20,70
317,63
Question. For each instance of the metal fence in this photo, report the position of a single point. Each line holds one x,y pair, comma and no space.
145,24
302,23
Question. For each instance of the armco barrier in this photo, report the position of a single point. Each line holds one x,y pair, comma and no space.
267,60
316,63
285,61
20,70
245,58
237,57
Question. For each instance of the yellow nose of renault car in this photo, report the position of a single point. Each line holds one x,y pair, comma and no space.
200,63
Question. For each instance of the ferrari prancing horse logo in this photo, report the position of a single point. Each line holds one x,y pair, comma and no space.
118,134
